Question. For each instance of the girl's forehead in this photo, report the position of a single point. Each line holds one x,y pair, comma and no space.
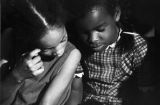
52,37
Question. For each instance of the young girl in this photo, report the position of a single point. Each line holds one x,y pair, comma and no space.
44,72
110,54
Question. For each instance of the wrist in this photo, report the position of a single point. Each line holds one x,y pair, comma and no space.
16,75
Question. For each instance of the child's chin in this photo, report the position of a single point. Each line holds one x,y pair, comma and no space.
99,49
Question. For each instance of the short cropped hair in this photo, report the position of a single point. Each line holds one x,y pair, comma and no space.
78,8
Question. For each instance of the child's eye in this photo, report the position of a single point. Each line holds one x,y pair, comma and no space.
101,29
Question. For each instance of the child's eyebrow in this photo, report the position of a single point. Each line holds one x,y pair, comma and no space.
100,25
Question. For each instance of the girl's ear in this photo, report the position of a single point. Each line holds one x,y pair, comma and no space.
117,14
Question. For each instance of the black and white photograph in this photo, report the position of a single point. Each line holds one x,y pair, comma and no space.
79,52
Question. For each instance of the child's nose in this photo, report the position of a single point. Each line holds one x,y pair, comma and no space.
94,36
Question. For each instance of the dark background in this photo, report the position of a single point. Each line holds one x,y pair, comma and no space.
144,17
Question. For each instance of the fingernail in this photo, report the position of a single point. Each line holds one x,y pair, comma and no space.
38,50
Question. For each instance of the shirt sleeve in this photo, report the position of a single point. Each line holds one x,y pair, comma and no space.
140,50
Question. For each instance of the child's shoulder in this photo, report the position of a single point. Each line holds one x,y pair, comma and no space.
130,33
137,38
130,40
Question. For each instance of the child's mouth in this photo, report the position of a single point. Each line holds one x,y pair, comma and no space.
97,47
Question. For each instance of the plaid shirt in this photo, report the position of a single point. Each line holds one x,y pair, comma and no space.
105,71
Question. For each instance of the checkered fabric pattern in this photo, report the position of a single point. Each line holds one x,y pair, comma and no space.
104,71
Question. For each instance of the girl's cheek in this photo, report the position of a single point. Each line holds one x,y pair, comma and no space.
60,52
61,48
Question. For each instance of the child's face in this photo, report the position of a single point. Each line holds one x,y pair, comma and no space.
98,29
53,42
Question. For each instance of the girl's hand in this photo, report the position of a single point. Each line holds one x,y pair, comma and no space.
29,65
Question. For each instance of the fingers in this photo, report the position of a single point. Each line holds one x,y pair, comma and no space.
37,66
32,58
29,65
37,72
34,62
33,53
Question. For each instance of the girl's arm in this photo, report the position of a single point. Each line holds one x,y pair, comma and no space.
76,92
10,84
8,89
62,80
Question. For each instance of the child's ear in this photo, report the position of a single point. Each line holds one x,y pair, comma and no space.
117,14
